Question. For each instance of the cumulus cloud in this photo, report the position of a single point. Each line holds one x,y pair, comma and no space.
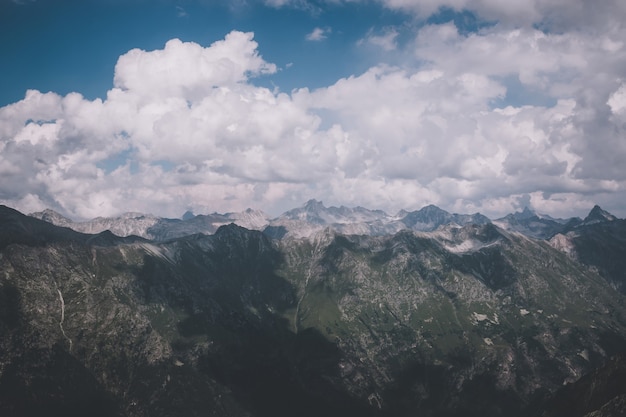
189,71
187,126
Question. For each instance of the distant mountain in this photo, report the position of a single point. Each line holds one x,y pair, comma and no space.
16,228
431,217
535,225
249,218
53,217
166,229
125,225
461,321
597,215
315,212
188,215
313,217
301,222
158,228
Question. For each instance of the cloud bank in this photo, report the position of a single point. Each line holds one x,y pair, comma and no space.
187,127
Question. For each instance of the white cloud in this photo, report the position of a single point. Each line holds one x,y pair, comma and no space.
386,40
188,71
318,34
617,100
186,126
535,57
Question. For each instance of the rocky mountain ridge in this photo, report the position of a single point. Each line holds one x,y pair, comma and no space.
158,228
313,217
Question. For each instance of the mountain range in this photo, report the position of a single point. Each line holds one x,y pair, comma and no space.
321,311
314,217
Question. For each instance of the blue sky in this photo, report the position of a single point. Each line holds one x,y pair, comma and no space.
66,46
163,106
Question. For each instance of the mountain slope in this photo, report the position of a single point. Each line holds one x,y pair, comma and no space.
599,242
138,329
500,323
471,321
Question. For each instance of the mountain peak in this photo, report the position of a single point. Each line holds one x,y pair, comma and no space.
188,215
431,217
431,208
53,217
597,215
525,214
314,205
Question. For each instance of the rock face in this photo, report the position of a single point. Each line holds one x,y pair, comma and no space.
460,321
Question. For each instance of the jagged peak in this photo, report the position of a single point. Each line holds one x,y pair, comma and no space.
51,216
525,214
598,215
314,204
528,212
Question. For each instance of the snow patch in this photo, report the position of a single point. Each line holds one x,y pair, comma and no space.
469,245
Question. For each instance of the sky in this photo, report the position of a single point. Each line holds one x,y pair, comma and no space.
164,106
